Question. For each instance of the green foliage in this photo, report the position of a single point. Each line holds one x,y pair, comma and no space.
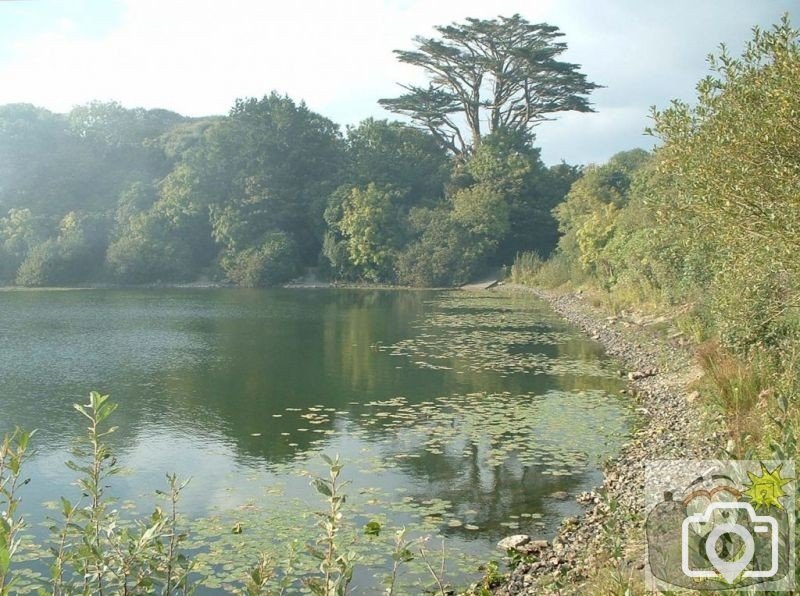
367,220
72,257
336,562
710,222
147,252
260,576
402,554
273,262
394,154
735,175
482,213
501,73
94,550
180,192
270,165
441,256
13,453
134,196
41,267
508,163
525,268
588,216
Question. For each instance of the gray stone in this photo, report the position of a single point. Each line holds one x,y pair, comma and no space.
513,542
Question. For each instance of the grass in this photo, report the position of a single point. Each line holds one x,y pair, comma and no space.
737,389
755,392
557,271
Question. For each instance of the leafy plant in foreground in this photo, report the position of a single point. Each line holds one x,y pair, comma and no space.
96,552
336,563
13,451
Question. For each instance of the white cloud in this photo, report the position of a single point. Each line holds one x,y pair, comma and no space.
197,56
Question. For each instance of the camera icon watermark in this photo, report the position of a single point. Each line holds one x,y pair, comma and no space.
720,525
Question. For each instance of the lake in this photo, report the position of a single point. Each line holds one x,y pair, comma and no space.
457,414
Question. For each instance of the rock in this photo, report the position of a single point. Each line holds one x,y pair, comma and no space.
533,547
561,495
513,542
642,374
673,428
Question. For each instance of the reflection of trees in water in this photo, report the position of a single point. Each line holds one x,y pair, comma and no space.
252,354
306,348
484,495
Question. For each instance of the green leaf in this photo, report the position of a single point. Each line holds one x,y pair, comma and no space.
372,528
5,560
321,487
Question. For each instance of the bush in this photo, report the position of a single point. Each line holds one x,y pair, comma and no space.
443,255
525,268
145,253
41,265
749,301
55,263
274,262
558,270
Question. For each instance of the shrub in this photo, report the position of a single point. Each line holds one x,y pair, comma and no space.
274,262
525,268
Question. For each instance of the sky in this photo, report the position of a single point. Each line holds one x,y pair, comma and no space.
197,56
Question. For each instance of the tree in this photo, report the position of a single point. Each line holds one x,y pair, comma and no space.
733,162
273,262
112,125
367,222
148,251
587,217
393,153
442,256
270,165
503,72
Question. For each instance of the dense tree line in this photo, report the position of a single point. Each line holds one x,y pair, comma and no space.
713,214
109,194
709,224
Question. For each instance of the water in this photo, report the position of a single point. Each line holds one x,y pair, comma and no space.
457,414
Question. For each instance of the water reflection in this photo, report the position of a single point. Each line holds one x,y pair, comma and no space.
502,405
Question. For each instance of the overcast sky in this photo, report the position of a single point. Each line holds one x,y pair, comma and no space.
197,56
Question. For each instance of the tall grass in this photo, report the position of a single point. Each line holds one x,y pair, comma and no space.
736,388
529,269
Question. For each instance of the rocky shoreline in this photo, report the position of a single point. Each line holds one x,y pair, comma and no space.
672,426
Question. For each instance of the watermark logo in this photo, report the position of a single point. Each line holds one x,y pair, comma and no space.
720,525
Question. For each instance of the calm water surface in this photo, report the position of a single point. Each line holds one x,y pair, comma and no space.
456,414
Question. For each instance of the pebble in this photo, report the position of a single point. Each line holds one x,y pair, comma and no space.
674,428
